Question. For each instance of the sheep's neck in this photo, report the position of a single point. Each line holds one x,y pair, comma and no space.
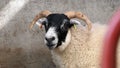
66,43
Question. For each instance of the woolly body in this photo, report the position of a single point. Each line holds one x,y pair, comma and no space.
84,50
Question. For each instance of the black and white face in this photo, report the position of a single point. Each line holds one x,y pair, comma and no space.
56,26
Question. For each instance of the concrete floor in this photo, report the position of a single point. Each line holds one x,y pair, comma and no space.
22,48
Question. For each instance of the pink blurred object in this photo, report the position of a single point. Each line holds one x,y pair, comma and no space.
110,42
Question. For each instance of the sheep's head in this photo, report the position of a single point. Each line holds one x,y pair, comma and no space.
57,26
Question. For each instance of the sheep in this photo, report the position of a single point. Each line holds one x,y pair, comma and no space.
83,50
70,47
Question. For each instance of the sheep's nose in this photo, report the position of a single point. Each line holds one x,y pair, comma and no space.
49,40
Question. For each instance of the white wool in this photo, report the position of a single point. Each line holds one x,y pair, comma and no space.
84,50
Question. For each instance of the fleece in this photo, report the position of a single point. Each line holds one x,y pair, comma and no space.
84,49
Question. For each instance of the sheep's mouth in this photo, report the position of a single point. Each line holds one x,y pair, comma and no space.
51,47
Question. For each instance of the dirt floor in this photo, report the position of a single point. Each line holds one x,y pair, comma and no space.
23,48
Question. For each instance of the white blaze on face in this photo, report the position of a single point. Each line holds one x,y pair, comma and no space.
52,33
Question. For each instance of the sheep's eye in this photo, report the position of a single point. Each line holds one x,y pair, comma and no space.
63,28
46,24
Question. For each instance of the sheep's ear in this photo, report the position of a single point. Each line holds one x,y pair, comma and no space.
76,22
41,21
